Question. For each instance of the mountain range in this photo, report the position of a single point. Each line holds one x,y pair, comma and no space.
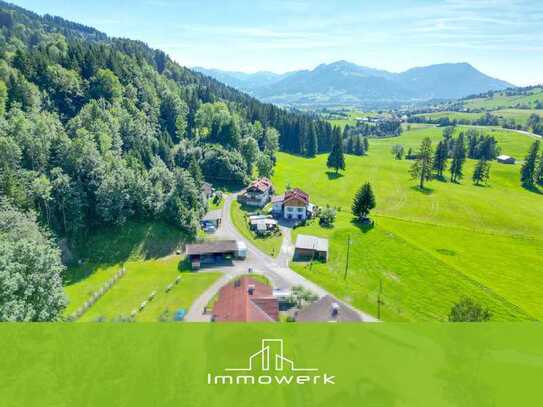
342,82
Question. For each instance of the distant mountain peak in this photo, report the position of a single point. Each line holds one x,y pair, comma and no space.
344,82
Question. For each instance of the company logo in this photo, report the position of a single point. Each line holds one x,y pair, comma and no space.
270,366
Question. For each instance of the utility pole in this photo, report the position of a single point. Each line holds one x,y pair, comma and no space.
379,301
348,252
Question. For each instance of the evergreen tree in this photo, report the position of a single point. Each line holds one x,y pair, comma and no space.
458,159
539,171
481,173
422,167
527,172
364,202
196,171
336,160
312,141
366,145
358,146
440,158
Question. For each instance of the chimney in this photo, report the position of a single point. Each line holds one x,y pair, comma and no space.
251,289
335,309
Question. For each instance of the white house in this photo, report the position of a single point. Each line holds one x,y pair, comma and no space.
258,193
294,204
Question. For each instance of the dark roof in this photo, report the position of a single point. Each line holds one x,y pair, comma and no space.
323,311
219,246
235,303
297,194
262,185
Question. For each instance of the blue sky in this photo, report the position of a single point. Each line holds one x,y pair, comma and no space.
503,38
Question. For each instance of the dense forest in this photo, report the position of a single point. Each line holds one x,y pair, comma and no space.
95,130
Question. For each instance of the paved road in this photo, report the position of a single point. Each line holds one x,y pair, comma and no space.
276,270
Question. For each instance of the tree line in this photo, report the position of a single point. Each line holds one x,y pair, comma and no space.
450,154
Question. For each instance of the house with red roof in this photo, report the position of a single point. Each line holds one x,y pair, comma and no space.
258,193
292,205
246,300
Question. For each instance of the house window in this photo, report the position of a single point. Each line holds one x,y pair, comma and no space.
290,209
300,209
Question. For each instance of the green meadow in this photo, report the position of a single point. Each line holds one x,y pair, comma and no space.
147,252
427,249
500,100
520,116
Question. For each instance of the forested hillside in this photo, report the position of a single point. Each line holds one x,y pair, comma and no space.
95,130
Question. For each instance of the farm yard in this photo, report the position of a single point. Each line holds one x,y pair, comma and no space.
145,251
270,245
431,248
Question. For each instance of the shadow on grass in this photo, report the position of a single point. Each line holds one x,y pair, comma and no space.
425,190
533,188
107,247
363,226
333,175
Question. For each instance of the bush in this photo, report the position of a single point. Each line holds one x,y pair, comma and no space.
327,216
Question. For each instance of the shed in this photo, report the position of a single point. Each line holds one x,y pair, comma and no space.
213,252
505,159
311,247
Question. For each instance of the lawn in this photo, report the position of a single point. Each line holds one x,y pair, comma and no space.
145,250
270,245
430,248
140,280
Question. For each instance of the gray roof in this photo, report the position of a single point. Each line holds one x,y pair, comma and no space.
323,311
211,247
312,243
213,215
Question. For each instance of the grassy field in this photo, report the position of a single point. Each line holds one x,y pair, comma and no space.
140,280
500,100
145,250
428,249
269,245
520,116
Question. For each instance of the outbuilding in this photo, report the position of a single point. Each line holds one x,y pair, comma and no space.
311,247
213,252
505,159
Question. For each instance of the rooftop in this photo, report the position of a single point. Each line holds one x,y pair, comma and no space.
211,247
312,243
297,193
246,300
261,184
327,309
213,215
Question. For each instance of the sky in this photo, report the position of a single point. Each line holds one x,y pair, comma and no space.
502,38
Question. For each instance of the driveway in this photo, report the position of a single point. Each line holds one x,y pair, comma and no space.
276,270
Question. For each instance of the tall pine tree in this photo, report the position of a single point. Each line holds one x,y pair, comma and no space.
458,159
364,202
440,158
527,172
481,173
422,167
336,159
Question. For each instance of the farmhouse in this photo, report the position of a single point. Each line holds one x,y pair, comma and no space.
505,159
214,252
311,247
327,309
246,300
294,204
258,193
